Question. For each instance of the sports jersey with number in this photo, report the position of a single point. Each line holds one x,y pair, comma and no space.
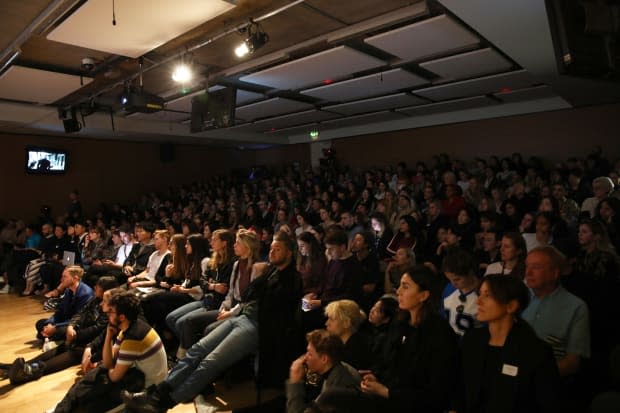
460,310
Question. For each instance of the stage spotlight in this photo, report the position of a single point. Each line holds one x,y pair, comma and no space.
182,74
256,39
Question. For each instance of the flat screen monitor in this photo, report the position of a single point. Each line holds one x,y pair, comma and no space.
45,161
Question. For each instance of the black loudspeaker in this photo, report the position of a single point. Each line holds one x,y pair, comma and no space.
71,125
166,152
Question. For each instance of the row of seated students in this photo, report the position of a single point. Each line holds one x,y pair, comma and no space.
555,315
421,235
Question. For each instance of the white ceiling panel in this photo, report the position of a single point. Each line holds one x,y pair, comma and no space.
365,86
432,37
480,86
361,119
245,96
39,86
531,93
329,65
450,106
397,100
162,116
299,118
465,65
270,107
141,25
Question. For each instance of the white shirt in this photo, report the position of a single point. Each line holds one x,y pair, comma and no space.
497,268
154,262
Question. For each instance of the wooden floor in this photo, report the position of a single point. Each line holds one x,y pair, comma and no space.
17,339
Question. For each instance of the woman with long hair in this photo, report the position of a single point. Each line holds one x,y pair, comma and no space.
311,262
505,366
416,372
406,237
186,321
512,251
608,212
403,260
244,271
178,291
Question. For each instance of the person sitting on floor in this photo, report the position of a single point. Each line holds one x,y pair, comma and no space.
76,295
83,327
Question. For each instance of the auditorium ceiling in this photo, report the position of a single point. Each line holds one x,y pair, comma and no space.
330,69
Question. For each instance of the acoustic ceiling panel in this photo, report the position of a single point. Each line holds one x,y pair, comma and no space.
397,100
299,118
38,86
270,107
365,86
435,36
328,65
361,119
479,86
162,116
531,93
245,96
142,25
450,106
465,65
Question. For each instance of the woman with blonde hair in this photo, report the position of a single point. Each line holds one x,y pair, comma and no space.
344,319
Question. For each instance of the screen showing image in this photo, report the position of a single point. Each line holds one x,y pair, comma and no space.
45,161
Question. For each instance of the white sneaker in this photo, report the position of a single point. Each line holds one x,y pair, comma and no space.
5,289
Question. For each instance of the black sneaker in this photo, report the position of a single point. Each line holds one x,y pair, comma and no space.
147,401
22,372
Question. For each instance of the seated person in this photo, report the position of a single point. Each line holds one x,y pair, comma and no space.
344,319
76,295
505,367
380,317
141,251
323,357
156,265
416,371
129,343
557,316
188,322
460,295
271,306
82,329
341,281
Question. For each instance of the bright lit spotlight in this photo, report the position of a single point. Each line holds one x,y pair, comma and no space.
256,39
242,50
182,74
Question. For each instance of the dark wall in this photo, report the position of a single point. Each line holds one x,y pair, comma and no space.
115,171
553,136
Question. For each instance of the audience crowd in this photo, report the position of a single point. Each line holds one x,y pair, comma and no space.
455,286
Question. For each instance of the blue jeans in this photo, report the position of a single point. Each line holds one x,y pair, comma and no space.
188,323
229,343
175,319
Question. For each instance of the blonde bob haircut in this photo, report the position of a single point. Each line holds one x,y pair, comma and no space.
346,312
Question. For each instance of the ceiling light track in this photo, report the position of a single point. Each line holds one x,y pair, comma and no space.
204,43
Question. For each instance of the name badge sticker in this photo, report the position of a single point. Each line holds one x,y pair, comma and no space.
509,370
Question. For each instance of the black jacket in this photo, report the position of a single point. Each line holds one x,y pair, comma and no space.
278,297
533,387
419,366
